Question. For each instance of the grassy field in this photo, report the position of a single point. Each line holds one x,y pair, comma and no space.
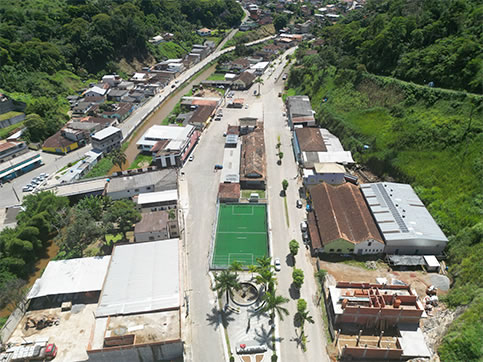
241,235
216,76
100,169
140,159
250,35
5,132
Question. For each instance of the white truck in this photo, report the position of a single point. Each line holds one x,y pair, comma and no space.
37,351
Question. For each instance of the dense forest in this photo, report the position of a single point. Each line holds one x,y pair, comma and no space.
48,47
428,41
427,136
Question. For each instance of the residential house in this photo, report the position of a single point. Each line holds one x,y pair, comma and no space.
115,95
156,225
11,149
203,32
169,145
260,67
157,201
253,164
247,124
248,25
299,111
106,140
330,172
341,222
58,143
317,145
119,111
244,81
94,91
202,115
113,80
229,192
155,40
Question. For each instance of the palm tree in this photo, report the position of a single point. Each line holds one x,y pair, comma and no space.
264,262
118,158
235,266
304,316
266,276
225,282
259,80
273,304
252,269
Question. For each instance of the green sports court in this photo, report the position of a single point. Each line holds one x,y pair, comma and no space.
241,234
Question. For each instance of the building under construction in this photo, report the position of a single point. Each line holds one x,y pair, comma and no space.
376,321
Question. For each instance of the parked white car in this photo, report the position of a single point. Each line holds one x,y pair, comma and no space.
277,264
303,226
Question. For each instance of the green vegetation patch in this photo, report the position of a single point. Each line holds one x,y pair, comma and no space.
7,131
241,234
9,115
141,160
101,168
216,76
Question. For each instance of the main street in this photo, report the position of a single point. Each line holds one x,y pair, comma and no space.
272,109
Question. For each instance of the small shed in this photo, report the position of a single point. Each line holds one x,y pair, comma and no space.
432,264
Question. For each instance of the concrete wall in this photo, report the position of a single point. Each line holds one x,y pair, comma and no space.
372,317
369,247
330,178
13,120
151,352
370,353
339,246
414,247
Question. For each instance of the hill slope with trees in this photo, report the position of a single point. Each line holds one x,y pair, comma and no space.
426,136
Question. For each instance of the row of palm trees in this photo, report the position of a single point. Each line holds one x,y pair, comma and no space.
227,281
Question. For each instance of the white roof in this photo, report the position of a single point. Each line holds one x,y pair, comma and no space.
328,157
431,261
106,132
71,276
161,196
139,76
97,90
157,133
142,277
230,76
260,65
329,167
231,164
399,212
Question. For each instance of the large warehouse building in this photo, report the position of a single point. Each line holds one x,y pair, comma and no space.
406,225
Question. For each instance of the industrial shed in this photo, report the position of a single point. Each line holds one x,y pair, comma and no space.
406,225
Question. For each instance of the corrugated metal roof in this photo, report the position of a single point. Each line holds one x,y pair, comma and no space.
71,276
141,278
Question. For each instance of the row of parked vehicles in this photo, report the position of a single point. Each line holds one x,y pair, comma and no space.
36,181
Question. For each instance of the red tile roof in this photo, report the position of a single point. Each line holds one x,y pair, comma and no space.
341,213
229,191
253,155
310,140
57,141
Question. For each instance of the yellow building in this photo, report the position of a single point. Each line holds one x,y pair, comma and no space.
57,143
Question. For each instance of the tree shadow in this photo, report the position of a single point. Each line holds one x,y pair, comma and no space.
290,260
296,320
294,291
216,318
264,337
297,339
283,193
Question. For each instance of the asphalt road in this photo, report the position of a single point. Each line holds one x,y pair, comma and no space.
275,125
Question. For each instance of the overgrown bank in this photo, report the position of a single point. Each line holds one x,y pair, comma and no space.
430,138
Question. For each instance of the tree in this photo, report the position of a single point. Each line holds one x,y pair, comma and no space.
266,276
294,247
298,277
259,81
280,156
118,158
81,231
36,128
284,186
94,205
252,269
12,293
172,214
303,315
225,282
264,262
235,266
123,214
280,22
273,304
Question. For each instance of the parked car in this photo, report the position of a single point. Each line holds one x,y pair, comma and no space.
299,204
277,264
27,188
279,94
305,237
34,182
218,167
246,106
191,158
303,226
284,76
